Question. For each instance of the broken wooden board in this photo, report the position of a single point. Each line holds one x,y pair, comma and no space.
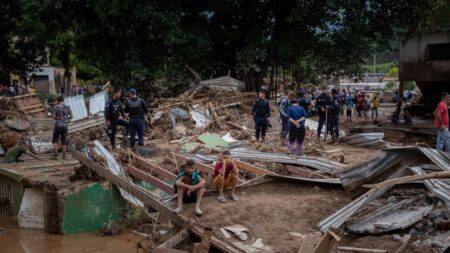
175,239
29,104
366,250
308,244
325,244
251,168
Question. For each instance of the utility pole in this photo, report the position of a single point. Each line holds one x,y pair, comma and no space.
374,61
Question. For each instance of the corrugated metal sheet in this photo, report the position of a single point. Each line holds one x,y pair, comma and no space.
97,103
313,125
78,107
253,155
438,187
368,140
6,196
117,170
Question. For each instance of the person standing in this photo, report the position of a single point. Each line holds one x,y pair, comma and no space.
260,113
375,105
322,102
297,116
136,109
283,109
334,115
349,104
441,123
61,115
115,116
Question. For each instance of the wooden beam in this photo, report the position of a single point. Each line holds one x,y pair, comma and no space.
175,239
206,240
325,244
139,174
307,245
249,167
409,179
215,117
153,167
353,249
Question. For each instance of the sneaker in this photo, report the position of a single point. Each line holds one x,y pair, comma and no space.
233,197
221,199
198,212
178,210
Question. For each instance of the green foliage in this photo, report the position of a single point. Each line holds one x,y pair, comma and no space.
380,68
409,85
146,44
393,72
390,85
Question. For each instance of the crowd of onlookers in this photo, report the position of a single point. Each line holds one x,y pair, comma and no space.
15,89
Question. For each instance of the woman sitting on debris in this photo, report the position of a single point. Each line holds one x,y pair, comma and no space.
297,116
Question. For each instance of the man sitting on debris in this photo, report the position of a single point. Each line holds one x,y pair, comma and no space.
441,122
261,113
226,175
322,102
189,186
136,108
61,115
115,116
283,106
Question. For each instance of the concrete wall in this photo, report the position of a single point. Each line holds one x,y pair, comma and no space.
416,64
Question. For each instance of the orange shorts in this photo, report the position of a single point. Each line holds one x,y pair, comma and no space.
228,182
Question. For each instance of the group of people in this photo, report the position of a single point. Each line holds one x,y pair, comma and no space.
15,89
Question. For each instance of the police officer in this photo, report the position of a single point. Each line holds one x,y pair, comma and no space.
136,109
334,111
115,116
283,105
261,113
322,102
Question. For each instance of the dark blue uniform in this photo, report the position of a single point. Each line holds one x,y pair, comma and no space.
283,109
321,103
261,112
333,115
136,108
113,111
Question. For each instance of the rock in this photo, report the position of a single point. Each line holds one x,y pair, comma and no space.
413,232
419,226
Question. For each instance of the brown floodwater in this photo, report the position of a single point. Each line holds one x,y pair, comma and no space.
17,240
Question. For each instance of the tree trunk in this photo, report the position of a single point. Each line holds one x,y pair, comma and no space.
400,100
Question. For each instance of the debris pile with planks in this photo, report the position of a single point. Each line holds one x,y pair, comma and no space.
390,200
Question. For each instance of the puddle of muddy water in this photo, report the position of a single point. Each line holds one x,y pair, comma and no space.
17,240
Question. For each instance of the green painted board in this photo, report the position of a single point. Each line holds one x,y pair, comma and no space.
91,208
213,141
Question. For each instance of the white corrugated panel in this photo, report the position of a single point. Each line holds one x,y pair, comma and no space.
78,107
97,103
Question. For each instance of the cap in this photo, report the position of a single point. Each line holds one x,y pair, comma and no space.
132,91
190,162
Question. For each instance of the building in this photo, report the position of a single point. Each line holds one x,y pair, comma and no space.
51,79
425,59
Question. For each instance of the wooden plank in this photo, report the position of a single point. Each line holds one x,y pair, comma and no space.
175,239
153,167
31,107
249,167
139,174
304,172
353,249
409,179
307,245
325,244
206,240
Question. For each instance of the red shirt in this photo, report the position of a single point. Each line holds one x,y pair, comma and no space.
442,109
218,168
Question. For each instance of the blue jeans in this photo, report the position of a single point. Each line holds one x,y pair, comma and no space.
136,125
443,140
320,125
113,128
334,125
284,127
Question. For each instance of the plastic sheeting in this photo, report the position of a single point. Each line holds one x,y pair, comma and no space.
77,106
201,116
97,103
